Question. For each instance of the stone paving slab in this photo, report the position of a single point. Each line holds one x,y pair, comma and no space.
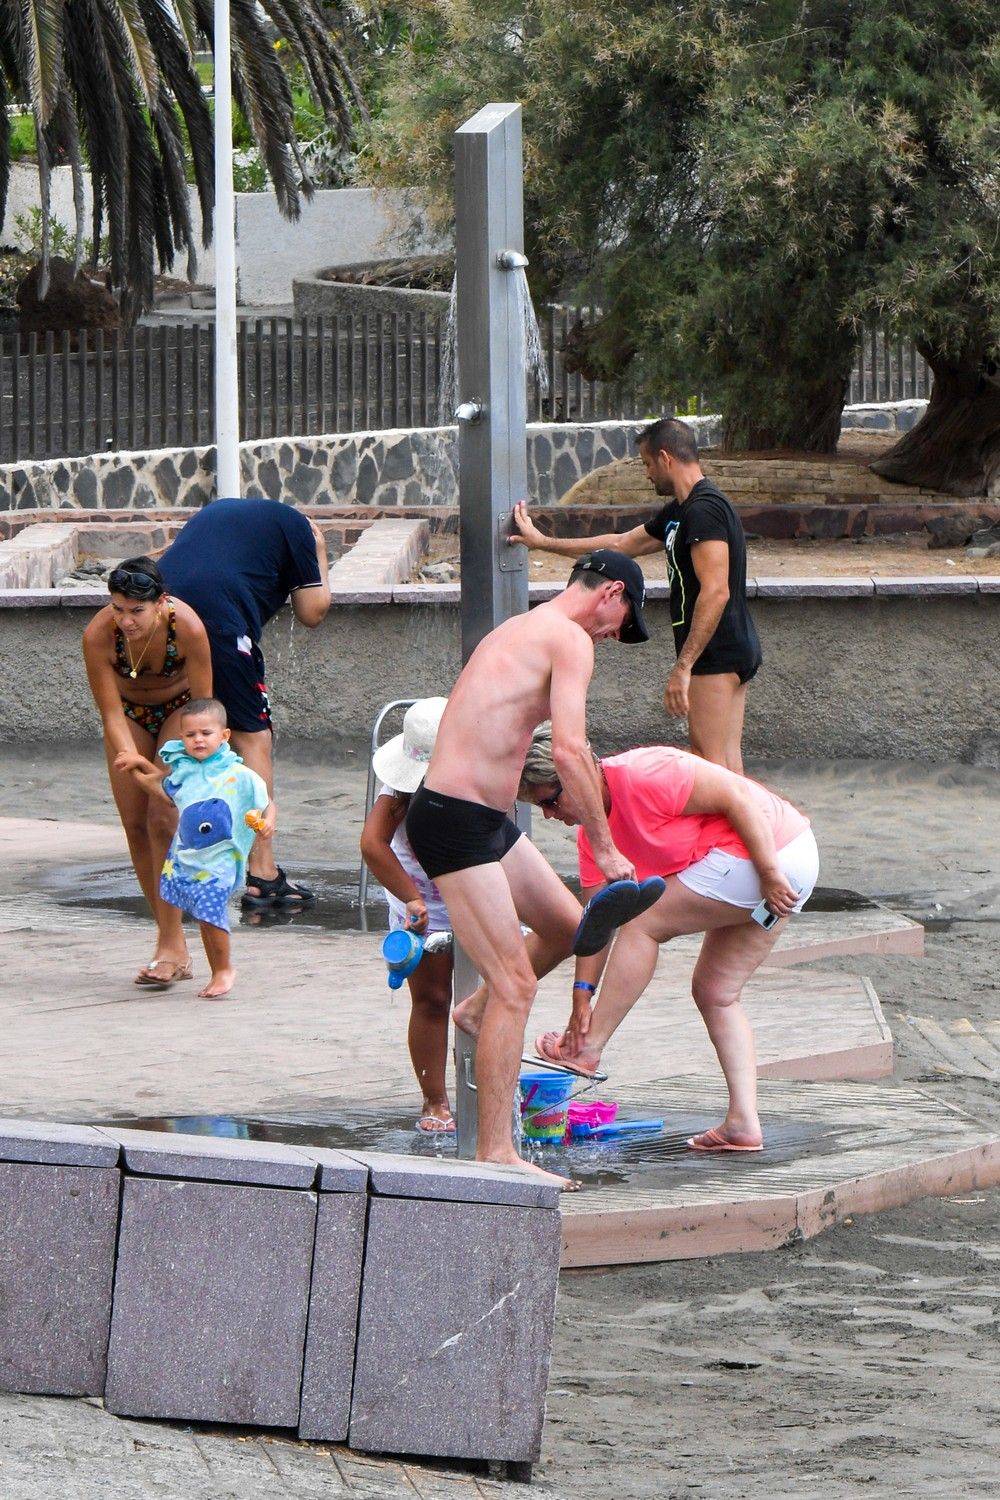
818,935
54,1449
79,1041
830,1150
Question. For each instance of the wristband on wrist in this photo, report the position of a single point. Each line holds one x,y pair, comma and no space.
581,984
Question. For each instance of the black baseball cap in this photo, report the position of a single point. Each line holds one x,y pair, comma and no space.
621,569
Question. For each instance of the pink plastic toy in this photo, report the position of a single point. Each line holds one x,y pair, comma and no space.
591,1113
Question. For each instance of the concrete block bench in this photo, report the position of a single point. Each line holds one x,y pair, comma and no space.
457,1309
59,1188
212,1280
328,1370
403,1304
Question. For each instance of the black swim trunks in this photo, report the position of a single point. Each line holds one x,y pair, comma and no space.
449,834
238,681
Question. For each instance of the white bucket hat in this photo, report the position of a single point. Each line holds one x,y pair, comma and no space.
402,761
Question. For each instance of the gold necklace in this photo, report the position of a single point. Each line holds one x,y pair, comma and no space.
135,665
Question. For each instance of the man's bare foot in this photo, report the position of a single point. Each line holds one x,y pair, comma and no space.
564,1184
220,984
468,1014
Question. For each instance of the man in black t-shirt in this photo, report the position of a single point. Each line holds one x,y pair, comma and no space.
718,650
236,563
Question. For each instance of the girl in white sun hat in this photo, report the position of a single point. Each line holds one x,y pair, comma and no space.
414,903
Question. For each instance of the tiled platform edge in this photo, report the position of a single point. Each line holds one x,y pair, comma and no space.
205,1279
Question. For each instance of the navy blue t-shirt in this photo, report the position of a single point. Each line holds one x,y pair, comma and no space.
237,561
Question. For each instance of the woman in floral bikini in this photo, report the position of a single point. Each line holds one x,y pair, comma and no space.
146,655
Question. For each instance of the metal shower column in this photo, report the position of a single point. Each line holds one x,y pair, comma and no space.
492,417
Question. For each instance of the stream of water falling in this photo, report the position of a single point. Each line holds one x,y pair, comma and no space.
530,345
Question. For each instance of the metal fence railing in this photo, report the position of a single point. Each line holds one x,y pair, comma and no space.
888,370
154,387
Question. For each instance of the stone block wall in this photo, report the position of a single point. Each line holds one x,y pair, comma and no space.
391,469
409,468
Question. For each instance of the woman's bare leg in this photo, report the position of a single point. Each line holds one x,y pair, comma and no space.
726,962
427,1034
148,831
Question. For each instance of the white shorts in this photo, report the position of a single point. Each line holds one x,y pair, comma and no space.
726,877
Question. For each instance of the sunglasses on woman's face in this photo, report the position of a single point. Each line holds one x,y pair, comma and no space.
552,801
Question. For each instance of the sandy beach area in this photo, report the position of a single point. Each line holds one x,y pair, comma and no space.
866,1361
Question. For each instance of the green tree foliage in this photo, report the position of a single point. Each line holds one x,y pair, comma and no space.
741,187
112,87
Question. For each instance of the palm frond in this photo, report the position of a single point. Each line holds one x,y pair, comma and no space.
109,83
41,34
133,30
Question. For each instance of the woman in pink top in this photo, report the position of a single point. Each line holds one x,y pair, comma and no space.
729,848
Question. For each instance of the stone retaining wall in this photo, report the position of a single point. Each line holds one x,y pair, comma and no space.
890,668
387,469
418,467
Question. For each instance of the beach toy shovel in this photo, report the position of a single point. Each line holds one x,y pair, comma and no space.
402,951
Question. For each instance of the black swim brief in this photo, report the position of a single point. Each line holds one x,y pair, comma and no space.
449,834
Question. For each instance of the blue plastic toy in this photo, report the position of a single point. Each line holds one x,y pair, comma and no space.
615,1128
402,951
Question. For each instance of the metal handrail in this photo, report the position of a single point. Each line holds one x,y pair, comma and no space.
403,703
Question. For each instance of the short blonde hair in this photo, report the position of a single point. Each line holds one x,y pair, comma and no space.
539,766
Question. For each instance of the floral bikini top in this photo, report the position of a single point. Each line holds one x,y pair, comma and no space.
172,661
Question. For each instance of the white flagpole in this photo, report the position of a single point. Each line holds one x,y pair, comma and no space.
227,423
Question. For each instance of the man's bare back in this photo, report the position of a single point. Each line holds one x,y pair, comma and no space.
506,690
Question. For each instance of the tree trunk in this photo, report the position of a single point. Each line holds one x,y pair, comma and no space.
955,447
804,417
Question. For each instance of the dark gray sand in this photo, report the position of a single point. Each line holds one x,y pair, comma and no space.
864,1362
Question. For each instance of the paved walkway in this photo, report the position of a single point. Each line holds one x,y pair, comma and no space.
311,1027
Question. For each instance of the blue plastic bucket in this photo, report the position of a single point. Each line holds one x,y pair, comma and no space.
544,1104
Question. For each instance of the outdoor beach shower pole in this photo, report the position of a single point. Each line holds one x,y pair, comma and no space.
492,417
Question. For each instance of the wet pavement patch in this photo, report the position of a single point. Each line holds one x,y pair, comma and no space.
655,1158
112,887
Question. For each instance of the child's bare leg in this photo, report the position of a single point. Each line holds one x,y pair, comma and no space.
430,996
217,951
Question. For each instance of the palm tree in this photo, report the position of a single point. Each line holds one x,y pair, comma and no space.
112,84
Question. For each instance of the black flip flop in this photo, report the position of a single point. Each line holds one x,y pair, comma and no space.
277,892
611,908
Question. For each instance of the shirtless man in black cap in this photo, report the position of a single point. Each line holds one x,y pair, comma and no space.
532,667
